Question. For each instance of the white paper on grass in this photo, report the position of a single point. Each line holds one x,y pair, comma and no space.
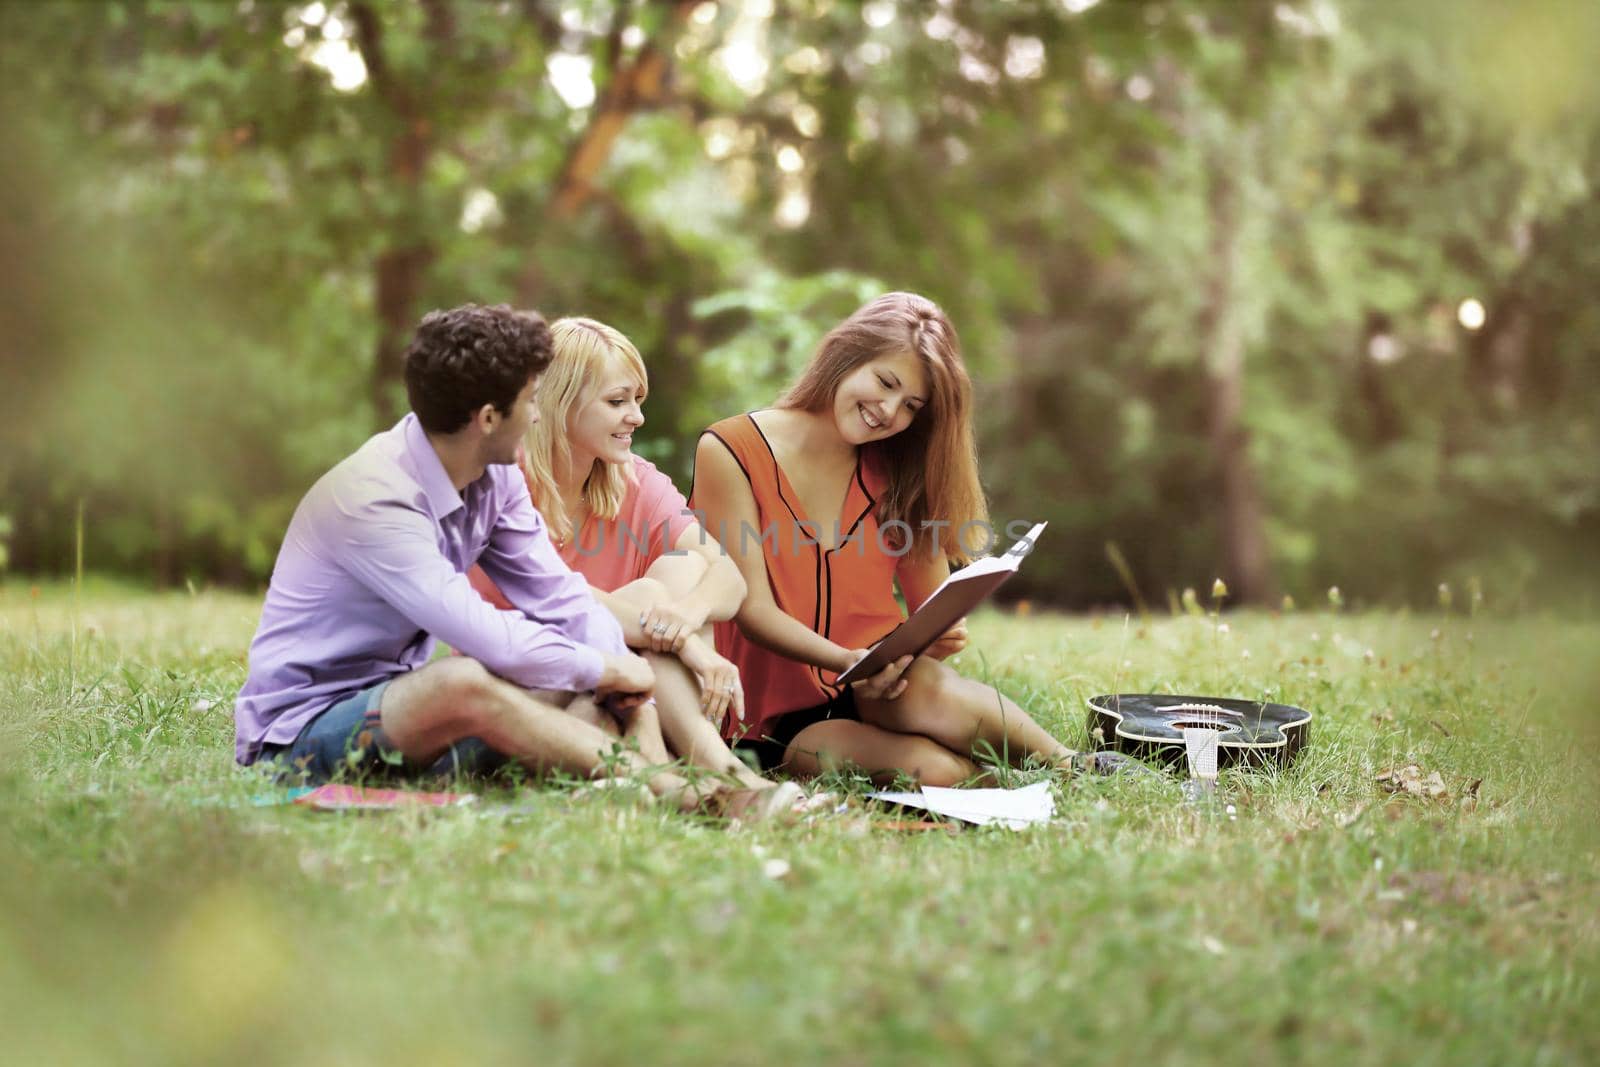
1013,808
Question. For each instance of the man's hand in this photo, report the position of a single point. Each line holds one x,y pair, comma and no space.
720,691
887,684
667,627
626,682
950,642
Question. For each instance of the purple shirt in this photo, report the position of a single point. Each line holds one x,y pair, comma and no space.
372,571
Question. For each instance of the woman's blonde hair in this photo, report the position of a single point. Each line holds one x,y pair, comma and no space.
931,466
583,351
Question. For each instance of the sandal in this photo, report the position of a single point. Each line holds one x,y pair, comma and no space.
1105,763
778,803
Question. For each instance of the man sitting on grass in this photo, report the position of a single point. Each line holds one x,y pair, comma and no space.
372,573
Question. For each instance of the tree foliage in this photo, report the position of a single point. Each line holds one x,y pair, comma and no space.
1209,260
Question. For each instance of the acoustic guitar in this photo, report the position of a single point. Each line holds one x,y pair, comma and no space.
1150,726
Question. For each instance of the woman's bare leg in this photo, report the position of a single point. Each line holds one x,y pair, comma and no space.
883,754
641,724
687,732
686,729
961,715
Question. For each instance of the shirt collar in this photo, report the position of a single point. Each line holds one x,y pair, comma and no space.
442,495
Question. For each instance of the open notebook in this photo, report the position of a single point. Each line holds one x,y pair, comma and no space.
957,596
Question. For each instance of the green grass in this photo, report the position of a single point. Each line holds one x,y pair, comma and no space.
149,912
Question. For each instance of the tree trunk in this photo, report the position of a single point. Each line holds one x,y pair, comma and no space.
1247,563
398,275
634,86
401,269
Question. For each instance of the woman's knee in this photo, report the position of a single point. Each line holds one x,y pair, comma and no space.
660,660
930,693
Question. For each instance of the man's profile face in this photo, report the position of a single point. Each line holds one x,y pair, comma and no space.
501,445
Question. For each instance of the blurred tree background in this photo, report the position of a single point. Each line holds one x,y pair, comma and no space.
1297,293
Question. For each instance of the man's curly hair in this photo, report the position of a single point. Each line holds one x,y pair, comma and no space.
469,356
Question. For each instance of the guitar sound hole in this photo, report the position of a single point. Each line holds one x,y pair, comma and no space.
1196,724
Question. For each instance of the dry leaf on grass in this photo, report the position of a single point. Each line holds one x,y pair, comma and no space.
1411,779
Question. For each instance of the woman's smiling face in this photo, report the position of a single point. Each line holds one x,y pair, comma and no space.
880,398
602,428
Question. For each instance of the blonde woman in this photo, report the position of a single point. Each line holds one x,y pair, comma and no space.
858,479
621,524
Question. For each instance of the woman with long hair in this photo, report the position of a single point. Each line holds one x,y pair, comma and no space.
861,477
621,523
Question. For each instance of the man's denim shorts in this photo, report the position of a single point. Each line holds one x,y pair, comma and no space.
347,742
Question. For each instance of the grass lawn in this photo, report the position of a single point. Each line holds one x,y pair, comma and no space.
151,912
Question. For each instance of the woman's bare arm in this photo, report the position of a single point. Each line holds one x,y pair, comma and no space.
727,508
918,579
704,584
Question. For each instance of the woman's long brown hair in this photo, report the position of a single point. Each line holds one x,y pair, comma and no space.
931,466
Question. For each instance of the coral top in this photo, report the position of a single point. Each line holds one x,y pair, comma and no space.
610,553
846,593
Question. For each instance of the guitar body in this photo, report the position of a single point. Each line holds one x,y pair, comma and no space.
1150,726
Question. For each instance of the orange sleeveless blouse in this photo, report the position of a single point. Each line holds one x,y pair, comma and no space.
846,593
